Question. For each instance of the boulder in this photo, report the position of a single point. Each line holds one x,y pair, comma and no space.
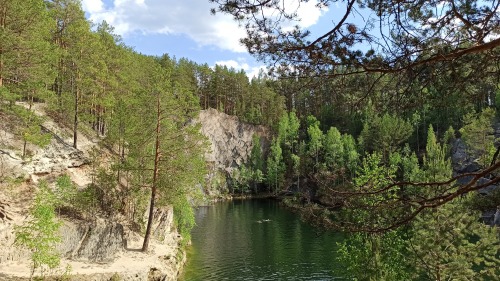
461,160
97,241
163,222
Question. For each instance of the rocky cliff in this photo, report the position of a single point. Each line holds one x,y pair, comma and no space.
230,144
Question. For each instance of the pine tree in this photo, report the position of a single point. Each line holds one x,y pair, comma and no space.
164,150
315,143
31,129
334,149
77,48
437,166
275,167
256,162
449,243
371,256
351,155
384,133
478,134
25,50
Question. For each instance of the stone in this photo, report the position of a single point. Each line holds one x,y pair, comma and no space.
231,140
496,217
98,241
55,158
463,163
461,160
163,222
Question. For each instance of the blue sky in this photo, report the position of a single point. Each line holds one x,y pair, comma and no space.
185,28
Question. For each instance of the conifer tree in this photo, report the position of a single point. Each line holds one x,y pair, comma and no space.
315,143
351,155
77,48
164,151
478,134
334,149
25,50
450,243
275,166
31,131
437,166
465,248
371,256
384,133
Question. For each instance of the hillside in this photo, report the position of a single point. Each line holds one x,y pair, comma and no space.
93,247
106,244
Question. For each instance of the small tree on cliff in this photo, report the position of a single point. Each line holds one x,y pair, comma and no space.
315,144
40,233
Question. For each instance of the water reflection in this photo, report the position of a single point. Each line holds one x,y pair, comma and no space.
258,240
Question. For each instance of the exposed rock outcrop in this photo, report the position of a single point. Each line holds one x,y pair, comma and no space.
461,160
464,163
98,241
163,222
101,250
231,143
230,139
55,158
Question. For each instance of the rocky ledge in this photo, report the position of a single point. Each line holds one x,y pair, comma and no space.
97,248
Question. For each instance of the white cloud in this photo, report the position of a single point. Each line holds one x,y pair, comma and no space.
234,64
189,17
92,6
240,63
307,12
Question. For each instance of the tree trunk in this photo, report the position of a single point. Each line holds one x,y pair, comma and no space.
3,15
30,99
75,120
155,177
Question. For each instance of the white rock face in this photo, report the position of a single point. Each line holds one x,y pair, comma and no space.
231,140
57,157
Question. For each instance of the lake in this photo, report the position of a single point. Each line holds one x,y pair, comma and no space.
258,240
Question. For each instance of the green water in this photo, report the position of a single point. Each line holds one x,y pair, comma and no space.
233,241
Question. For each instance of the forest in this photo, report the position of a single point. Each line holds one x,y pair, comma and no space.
362,141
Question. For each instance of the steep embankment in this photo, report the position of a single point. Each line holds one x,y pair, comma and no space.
93,249
231,143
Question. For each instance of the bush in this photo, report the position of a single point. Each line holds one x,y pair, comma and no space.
41,233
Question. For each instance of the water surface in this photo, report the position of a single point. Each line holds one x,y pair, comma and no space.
258,240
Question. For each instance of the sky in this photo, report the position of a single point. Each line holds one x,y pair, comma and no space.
186,28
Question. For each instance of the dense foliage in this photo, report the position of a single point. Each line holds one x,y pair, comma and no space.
90,80
378,98
362,140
